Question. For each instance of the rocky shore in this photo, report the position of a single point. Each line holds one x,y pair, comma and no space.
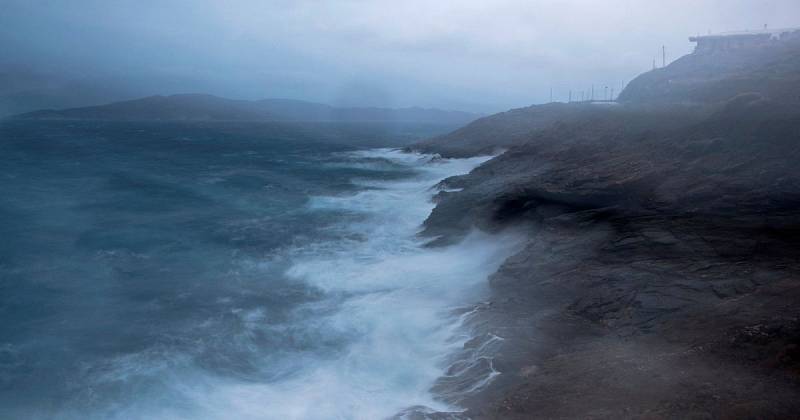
660,277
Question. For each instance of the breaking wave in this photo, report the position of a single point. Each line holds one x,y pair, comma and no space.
353,318
399,307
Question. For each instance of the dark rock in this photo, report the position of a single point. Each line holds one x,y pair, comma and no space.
661,276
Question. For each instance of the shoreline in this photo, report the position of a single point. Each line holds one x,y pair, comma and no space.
660,277
629,318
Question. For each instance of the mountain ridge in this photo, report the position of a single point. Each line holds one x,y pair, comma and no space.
206,107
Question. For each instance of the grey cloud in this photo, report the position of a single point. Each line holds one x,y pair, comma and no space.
476,55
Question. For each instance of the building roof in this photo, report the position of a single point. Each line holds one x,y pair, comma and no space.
744,34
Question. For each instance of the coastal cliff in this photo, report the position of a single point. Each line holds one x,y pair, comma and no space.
660,277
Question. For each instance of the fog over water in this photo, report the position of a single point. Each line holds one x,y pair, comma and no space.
471,55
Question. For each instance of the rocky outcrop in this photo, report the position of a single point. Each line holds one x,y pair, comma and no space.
644,318
770,69
660,279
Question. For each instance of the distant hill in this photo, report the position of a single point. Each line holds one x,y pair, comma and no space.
712,75
200,107
689,89
26,89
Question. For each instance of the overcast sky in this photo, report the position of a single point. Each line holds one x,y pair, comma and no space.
466,54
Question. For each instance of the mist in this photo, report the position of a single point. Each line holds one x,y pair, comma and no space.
480,56
448,227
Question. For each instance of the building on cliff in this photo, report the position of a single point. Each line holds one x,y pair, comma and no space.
709,44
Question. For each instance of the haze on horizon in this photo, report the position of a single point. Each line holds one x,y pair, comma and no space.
468,55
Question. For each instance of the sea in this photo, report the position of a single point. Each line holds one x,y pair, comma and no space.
198,270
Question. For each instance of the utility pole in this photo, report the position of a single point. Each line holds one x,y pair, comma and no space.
612,93
570,96
663,56
592,92
654,63
605,94
551,95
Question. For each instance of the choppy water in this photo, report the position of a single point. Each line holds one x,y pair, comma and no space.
215,272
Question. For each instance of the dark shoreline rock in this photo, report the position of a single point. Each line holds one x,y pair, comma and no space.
650,319
662,274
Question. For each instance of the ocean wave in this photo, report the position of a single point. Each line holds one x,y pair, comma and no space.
397,309
377,331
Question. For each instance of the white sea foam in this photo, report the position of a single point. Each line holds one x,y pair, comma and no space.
395,308
399,309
